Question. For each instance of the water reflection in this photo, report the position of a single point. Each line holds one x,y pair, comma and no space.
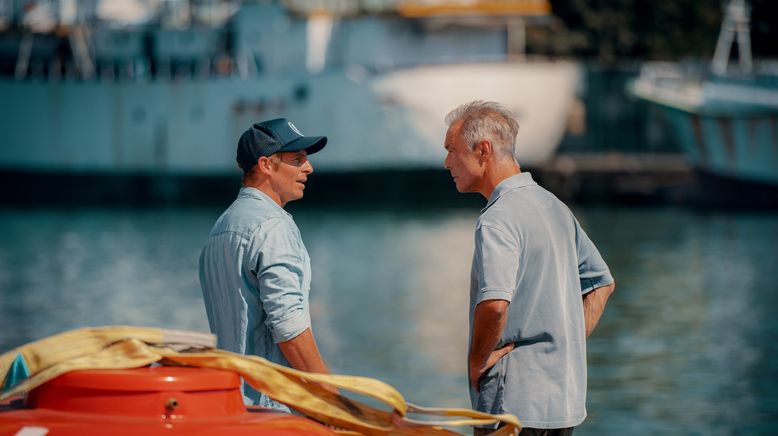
687,345
683,338
398,284
61,270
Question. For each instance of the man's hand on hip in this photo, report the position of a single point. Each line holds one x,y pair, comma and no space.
488,323
494,357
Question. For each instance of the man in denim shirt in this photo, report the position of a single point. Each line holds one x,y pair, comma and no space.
255,272
538,284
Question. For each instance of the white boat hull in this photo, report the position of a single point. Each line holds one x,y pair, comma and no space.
540,94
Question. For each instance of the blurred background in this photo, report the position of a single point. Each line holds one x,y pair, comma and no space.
657,121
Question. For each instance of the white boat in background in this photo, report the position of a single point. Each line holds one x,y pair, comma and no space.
540,94
136,99
725,118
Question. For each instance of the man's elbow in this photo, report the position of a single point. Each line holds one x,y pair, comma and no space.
601,293
493,308
610,288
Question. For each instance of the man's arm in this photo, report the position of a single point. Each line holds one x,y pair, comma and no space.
488,323
279,261
303,354
594,305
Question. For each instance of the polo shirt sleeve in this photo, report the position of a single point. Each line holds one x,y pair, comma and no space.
280,275
496,263
592,269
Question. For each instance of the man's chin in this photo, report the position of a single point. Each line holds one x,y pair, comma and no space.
297,196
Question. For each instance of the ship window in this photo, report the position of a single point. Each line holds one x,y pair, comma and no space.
300,92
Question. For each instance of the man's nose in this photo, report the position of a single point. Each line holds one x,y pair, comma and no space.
308,167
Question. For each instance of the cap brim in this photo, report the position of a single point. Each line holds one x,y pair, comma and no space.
311,144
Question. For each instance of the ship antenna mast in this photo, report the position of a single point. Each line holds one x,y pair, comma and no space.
736,21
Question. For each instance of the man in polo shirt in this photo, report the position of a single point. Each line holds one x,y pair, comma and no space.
538,284
255,272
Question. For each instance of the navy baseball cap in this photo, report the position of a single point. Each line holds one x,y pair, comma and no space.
268,137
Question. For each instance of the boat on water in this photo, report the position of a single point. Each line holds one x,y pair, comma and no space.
169,96
725,118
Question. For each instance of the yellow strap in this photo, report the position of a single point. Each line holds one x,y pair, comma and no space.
127,353
41,354
131,347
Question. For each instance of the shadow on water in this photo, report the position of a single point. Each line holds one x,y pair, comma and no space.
411,189
370,189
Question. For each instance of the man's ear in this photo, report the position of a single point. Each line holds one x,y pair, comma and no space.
264,165
484,150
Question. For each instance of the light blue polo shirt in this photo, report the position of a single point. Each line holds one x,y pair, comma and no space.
255,275
531,251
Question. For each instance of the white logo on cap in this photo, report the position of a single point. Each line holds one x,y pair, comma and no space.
293,127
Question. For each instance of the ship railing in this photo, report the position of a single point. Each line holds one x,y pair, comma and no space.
78,58
665,75
767,69
669,81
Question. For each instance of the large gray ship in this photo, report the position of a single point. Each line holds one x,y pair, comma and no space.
165,88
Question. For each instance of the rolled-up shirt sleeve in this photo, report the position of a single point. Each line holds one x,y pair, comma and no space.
280,274
592,269
497,263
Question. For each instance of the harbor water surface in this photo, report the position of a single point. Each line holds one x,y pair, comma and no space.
687,344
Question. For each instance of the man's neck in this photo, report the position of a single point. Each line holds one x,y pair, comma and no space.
495,174
266,189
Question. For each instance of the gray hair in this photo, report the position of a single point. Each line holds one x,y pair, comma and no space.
486,120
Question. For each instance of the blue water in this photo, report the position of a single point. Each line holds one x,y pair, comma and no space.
687,344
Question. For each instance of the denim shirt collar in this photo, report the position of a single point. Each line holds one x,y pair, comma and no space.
516,181
256,194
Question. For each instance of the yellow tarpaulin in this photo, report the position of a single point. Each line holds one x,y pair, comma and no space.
131,347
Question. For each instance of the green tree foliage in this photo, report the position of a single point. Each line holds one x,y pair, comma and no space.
612,30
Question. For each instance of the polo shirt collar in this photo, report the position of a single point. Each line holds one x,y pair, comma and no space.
516,181
256,194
